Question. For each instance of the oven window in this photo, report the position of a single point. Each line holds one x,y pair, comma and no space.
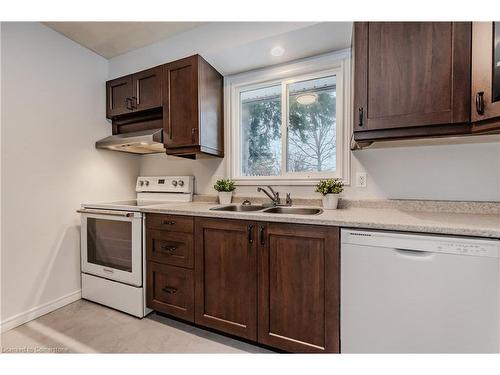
109,243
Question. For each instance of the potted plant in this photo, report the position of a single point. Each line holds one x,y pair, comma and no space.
225,188
330,188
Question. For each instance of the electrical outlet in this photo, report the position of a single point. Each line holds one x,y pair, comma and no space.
361,179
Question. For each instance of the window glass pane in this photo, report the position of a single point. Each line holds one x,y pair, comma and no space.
312,125
261,131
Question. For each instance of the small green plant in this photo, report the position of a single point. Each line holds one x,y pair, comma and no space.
330,186
224,185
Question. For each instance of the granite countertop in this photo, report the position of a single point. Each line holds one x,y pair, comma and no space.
481,221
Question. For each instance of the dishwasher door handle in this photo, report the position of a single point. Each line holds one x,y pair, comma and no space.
414,253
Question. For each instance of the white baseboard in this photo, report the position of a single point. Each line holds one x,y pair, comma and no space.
38,311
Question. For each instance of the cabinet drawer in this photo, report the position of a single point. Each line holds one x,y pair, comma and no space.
170,222
173,248
170,290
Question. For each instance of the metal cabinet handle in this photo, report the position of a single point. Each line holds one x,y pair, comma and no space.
169,249
480,102
262,236
128,104
168,222
138,91
105,212
250,233
360,116
134,102
170,290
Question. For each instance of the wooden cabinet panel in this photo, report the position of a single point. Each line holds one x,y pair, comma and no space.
170,290
485,99
171,248
118,96
299,287
147,89
226,276
180,110
175,223
411,74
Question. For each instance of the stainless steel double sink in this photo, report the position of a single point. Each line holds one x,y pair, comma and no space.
270,210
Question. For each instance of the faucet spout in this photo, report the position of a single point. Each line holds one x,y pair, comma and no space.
273,196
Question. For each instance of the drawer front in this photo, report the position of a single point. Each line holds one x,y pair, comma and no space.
173,248
170,222
170,290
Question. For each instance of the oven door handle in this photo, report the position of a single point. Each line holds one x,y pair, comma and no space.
106,212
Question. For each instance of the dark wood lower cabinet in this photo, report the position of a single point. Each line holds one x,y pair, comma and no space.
170,290
299,285
274,283
226,276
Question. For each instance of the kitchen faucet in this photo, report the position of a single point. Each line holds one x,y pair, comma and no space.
275,197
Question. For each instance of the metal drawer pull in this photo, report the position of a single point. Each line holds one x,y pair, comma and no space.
105,212
480,103
170,290
168,222
250,233
108,270
169,249
262,235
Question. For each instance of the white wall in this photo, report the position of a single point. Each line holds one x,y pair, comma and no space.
53,110
452,171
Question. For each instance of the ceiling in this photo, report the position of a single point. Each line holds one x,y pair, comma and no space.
231,47
110,39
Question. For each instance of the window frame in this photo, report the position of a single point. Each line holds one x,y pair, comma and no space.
336,63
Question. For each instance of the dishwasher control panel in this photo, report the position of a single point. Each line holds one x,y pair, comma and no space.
466,248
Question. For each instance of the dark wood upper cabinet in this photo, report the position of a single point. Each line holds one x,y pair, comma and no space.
147,89
134,93
299,287
118,96
184,97
411,79
192,108
226,276
485,100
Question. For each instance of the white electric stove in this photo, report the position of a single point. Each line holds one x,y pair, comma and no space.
113,243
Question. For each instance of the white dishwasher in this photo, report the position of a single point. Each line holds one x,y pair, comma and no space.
412,293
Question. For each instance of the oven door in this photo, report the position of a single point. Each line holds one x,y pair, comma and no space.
111,245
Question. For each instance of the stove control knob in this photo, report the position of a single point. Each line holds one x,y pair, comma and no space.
181,183
141,183
174,183
147,183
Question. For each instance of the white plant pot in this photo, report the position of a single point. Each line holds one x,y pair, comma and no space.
225,197
330,201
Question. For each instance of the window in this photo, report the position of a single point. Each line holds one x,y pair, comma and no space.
287,123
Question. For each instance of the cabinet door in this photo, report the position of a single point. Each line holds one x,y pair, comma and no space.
226,276
147,89
180,107
170,290
485,100
410,74
299,287
119,94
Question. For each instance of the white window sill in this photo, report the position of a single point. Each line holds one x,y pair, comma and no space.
258,181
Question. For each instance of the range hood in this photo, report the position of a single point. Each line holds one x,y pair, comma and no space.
141,142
